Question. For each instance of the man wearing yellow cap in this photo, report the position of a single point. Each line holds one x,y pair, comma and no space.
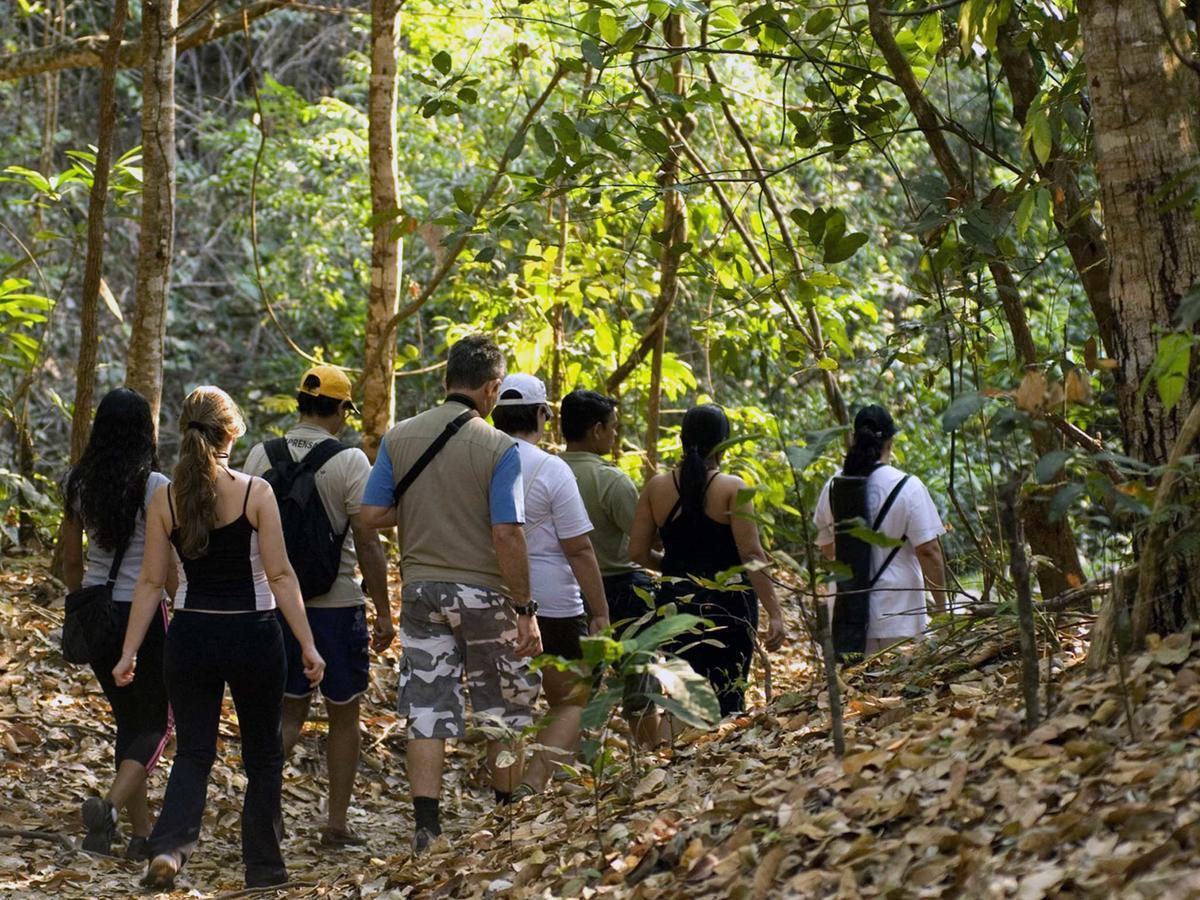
336,614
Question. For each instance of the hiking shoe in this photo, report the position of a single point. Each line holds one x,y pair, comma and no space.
138,849
422,838
522,791
100,820
341,837
160,874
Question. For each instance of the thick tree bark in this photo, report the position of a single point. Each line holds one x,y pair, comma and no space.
144,364
1146,116
378,383
1054,540
89,338
86,52
674,232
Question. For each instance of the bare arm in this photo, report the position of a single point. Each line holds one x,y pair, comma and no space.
751,552
379,518
933,567
373,562
71,538
582,559
157,568
644,532
827,550
264,516
513,556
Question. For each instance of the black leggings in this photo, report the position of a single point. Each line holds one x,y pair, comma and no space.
204,652
734,615
140,708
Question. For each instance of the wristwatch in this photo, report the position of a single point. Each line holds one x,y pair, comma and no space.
530,610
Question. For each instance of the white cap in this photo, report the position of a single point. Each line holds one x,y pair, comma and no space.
531,390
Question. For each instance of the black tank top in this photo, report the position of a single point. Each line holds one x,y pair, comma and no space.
694,543
229,578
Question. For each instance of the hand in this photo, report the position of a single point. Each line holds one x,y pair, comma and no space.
529,636
597,624
314,665
776,633
382,632
124,670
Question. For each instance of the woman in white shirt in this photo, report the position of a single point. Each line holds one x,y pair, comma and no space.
897,599
107,493
563,571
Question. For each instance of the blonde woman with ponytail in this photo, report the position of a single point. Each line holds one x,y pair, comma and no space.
233,573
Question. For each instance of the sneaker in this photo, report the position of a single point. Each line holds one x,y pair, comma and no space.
523,791
100,820
138,849
160,874
341,837
422,838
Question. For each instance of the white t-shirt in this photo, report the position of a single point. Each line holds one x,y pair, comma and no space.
554,511
99,560
340,484
898,598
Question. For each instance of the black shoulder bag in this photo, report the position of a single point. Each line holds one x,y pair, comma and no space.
92,627
430,452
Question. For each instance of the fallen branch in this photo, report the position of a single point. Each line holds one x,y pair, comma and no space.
53,837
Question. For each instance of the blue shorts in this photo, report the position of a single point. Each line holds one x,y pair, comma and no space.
341,637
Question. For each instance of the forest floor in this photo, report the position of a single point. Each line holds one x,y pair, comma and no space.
940,794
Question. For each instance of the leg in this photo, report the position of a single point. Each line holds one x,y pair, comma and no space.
128,792
425,758
561,732
257,689
295,714
341,755
195,692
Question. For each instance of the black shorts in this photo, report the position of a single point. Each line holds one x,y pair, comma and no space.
624,602
341,636
560,637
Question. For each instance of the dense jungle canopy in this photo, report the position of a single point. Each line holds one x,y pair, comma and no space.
982,215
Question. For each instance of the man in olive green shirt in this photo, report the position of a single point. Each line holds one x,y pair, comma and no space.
589,426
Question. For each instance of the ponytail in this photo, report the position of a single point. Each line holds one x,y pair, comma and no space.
864,453
704,429
208,419
873,428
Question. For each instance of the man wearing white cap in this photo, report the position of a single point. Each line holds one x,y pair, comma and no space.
563,570
335,605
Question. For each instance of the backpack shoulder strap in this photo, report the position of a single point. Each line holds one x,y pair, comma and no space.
430,452
322,453
277,452
879,521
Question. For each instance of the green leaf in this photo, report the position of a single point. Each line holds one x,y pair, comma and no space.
1024,215
1171,366
442,62
654,139
822,20
693,699
1064,500
963,407
462,199
858,528
591,53
544,139
843,247
1048,466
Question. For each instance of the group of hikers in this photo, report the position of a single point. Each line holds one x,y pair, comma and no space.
506,552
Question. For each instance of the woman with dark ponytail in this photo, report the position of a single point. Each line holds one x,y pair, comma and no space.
897,505
107,494
225,527
704,529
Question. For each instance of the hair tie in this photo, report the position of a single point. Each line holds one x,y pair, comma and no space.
199,426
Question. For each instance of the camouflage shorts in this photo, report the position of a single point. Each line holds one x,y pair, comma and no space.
448,629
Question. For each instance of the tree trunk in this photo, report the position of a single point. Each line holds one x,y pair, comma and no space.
1053,540
144,364
1146,116
89,338
557,320
674,232
383,302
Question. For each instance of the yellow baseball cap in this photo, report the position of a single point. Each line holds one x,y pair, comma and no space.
327,381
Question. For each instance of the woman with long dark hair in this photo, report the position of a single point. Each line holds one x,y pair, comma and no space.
225,527
705,530
898,577
107,493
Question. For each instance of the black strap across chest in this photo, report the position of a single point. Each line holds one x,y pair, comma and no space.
433,449
883,511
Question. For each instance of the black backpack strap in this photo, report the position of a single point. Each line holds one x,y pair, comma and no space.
277,452
884,510
115,569
430,452
322,453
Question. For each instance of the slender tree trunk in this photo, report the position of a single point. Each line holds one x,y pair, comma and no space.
1026,628
1146,116
386,248
144,364
674,234
557,317
1054,540
89,338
